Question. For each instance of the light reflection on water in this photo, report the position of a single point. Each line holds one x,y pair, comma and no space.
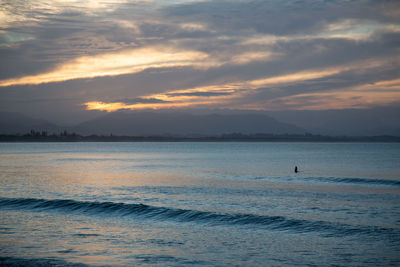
340,186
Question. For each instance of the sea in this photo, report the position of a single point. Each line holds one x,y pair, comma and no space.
199,204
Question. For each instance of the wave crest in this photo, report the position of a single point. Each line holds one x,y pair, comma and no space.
186,215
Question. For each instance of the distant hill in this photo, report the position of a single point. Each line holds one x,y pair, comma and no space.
16,123
183,124
356,122
351,122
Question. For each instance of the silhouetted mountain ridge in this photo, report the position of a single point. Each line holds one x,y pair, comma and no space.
183,124
373,122
16,123
351,122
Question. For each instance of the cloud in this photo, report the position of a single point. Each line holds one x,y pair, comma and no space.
206,94
126,62
232,93
115,106
140,100
7,37
334,100
214,54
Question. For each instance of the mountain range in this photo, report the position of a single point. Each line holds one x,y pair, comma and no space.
172,123
14,123
153,123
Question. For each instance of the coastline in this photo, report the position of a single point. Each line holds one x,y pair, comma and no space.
222,138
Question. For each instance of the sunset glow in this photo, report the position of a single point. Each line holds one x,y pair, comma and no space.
341,98
199,132
336,100
126,62
60,58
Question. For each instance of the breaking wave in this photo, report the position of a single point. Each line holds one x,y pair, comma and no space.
279,223
365,181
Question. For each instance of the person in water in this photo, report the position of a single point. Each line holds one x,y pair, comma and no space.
295,169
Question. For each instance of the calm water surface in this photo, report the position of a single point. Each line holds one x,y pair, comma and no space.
211,204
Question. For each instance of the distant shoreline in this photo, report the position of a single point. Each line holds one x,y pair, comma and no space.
68,137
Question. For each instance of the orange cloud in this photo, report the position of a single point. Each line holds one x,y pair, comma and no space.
132,61
125,62
114,106
362,96
333,100
350,29
193,97
389,85
232,93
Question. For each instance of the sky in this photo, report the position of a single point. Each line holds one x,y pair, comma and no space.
64,59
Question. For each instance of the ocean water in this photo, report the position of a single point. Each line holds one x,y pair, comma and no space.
202,204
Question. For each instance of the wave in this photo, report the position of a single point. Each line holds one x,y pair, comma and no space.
12,261
366,181
347,180
186,215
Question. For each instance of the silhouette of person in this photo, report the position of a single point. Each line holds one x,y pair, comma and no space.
295,169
